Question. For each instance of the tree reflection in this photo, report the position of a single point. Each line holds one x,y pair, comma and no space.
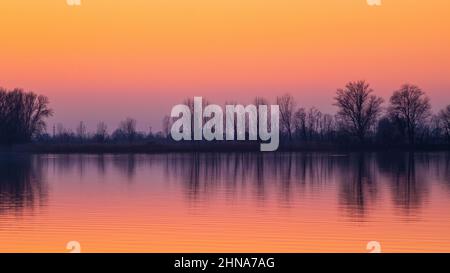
358,184
407,175
359,180
22,184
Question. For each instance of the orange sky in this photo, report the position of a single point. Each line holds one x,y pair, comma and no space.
140,57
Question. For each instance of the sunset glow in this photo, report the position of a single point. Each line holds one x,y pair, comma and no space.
225,126
146,56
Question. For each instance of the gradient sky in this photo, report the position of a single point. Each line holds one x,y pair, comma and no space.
109,59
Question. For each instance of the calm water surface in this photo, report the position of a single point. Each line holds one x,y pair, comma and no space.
283,202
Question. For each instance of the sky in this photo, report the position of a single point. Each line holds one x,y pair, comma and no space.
106,60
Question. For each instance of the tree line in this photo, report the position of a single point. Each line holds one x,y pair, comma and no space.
362,117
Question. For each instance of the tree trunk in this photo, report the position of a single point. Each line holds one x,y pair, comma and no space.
411,136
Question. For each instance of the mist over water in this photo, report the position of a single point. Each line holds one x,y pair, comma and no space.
223,202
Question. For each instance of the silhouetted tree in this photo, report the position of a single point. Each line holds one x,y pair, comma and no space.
81,131
358,108
313,121
388,131
22,115
287,110
300,124
126,130
63,134
444,120
435,129
102,132
260,101
313,125
410,106
326,126
167,125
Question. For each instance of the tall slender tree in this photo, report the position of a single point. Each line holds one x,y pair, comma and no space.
300,124
287,110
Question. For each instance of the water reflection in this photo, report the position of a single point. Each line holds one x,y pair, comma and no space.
358,184
407,174
358,176
355,179
22,185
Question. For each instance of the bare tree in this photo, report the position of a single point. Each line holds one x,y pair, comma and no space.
412,107
287,109
81,130
444,120
128,129
358,108
313,121
326,126
300,123
60,130
22,115
64,134
102,131
167,125
260,101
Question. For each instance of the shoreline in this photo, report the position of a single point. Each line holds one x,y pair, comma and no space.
155,148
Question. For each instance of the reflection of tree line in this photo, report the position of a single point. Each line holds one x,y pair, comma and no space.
21,183
359,177
408,178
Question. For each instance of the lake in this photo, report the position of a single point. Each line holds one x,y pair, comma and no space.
226,202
